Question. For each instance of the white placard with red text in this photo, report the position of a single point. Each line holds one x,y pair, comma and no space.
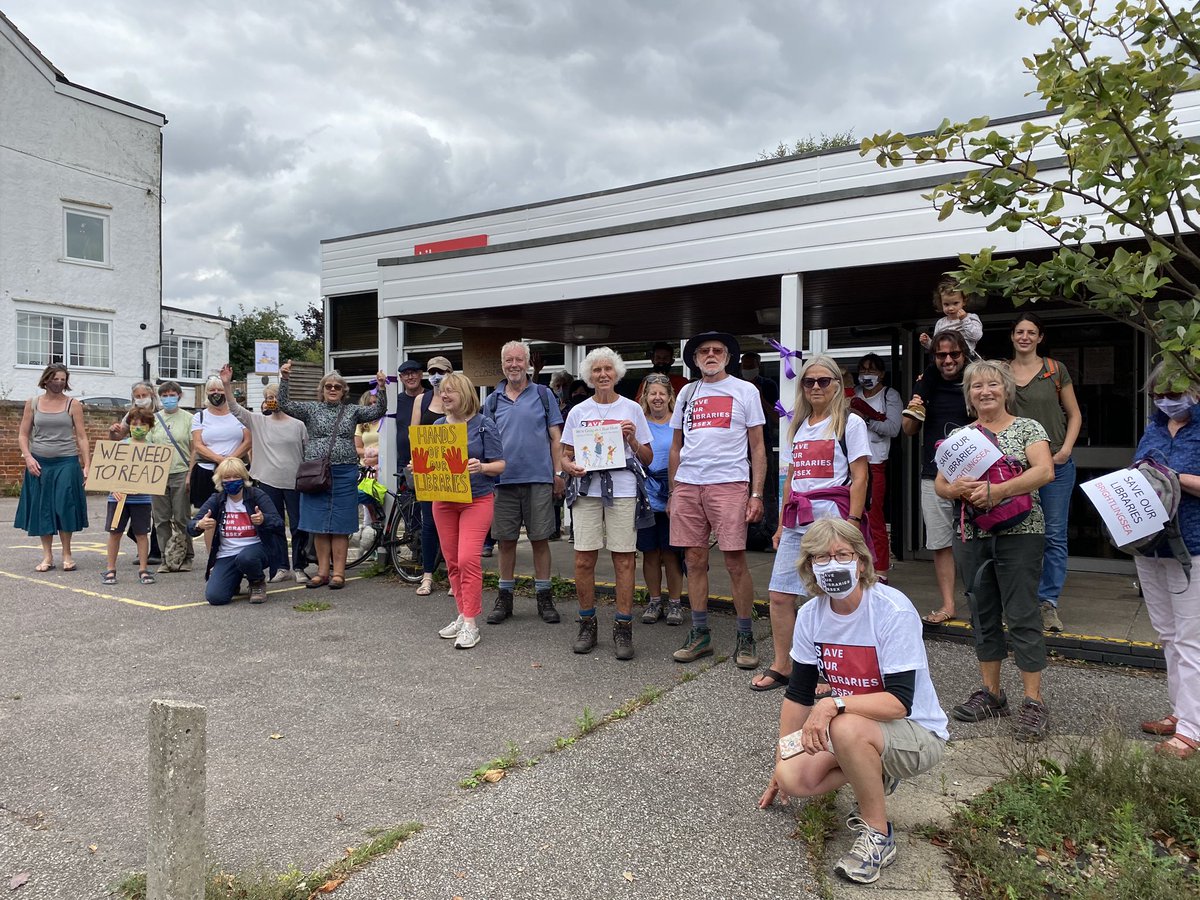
968,453
1127,505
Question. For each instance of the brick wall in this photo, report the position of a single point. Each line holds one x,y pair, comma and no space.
12,466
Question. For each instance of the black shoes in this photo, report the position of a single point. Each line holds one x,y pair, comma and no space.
503,608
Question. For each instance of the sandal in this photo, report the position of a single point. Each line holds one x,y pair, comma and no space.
317,581
425,588
773,680
1178,746
110,577
937,617
145,577
337,582
1164,726
43,567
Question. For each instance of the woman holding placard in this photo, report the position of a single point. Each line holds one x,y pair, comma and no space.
1001,559
331,515
1045,394
426,412
1172,597
461,527
826,478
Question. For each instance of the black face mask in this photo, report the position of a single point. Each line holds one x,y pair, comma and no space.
216,399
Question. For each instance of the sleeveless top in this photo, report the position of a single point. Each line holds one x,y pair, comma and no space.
369,432
53,435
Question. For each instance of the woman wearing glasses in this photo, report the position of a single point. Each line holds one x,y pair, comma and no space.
883,721
332,515
427,413
826,478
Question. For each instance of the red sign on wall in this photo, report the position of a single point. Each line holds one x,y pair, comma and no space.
462,243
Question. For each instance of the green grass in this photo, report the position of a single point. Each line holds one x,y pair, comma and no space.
494,769
294,884
312,606
1112,822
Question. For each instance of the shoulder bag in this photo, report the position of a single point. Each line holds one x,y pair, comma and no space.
314,476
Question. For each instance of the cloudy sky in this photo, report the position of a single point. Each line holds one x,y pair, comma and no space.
294,121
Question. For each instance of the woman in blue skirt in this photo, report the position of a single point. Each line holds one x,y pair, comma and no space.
54,444
331,516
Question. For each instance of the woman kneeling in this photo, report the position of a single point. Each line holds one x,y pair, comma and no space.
882,721
246,531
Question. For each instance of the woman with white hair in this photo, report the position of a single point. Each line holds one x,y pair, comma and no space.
217,435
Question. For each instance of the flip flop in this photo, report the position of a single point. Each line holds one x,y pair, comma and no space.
43,567
336,582
937,617
774,680
68,568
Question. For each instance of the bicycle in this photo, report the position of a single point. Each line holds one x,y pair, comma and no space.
399,536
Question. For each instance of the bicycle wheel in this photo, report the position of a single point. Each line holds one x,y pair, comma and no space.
363,542
403,542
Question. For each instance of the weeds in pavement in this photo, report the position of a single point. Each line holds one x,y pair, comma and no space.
1108,820
312,606
294,884
493,770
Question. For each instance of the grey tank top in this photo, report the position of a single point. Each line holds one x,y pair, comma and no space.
53,433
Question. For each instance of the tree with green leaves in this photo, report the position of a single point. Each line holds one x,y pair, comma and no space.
810,144
1112,166
312,330
263,324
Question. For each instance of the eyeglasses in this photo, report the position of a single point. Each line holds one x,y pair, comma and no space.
334,387
823,382
842,556
710,351
949,354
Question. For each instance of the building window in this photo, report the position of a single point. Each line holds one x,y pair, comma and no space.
85,237
181,359
44,339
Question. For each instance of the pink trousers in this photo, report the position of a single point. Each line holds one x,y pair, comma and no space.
461,529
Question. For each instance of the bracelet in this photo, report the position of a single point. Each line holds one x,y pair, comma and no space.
854,518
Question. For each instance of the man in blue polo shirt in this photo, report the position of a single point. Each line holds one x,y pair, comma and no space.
530,425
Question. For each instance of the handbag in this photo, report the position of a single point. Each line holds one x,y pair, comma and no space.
315,476
1007,513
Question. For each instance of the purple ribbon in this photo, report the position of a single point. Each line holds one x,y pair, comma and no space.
783,413
786,356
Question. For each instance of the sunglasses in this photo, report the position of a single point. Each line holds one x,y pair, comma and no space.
952,354
438,372
1169,395
334,387
656,379
809,383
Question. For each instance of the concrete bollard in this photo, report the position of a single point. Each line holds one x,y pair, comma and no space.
175,851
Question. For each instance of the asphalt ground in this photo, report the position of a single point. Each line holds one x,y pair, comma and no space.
325,725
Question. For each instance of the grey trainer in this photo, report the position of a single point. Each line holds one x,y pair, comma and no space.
1050,620
871,852
981,705
675,613
654,611
1032,720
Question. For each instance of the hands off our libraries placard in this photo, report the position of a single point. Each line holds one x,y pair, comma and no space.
439,462
1128,506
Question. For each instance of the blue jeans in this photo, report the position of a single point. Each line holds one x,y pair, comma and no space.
429,539
1055,498
290,501
228,571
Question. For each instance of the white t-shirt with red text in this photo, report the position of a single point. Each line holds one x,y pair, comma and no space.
237,531
588,414
854,653
714,418
818,461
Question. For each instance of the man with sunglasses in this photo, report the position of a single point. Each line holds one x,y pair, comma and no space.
937,408
717,468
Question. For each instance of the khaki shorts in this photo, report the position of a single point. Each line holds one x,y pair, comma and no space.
909,749
598,526
700,510
531,505
938,513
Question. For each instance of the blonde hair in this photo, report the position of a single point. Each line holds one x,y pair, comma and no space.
465,389
820,536
839,408
985,367
231,467
214,383
654,378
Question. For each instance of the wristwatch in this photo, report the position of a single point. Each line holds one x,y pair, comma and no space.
756,496
562,475
840,704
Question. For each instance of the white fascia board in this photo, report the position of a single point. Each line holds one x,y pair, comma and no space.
111,104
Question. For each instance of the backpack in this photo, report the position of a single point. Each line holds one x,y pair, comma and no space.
544,394
1164,481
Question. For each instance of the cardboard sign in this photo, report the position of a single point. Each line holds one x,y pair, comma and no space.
439,462
599,446
967,453
481,353
129,468
1127,505
266,357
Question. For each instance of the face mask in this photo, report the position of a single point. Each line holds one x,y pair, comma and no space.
1174,407
664,369
868,381
233,486
436,378
55,387
749,374
216,399
138,432
170,404
270,405
836,579
142,402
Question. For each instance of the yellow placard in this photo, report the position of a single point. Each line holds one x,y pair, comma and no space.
439,461
129,468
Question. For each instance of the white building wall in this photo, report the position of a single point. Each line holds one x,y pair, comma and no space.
212,330
62,143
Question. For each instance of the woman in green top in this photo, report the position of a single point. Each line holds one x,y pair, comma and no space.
1046,395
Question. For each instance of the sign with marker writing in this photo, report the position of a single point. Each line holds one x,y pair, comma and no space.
129,468
968,453
1128,506
439,462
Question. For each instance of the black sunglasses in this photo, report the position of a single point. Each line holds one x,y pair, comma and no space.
823,382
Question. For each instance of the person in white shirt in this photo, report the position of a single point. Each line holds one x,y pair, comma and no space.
880,407
883,721
717,468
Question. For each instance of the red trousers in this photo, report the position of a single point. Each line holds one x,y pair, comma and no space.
461,529
875,519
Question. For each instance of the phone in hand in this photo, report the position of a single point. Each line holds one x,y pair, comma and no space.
790,745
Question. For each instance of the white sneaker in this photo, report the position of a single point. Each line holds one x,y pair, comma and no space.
452,630
468,637
281,575
301,576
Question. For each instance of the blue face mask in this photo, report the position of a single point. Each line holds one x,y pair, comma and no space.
1174,407
233,486
170,404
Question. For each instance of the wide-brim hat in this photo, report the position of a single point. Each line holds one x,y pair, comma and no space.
730,342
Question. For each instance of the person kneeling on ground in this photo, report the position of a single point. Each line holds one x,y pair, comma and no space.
246,531
883,721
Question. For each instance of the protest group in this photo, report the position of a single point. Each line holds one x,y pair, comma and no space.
676,471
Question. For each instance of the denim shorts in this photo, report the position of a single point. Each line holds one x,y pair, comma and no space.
785,576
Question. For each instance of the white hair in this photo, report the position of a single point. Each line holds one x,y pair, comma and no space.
598,355
514,345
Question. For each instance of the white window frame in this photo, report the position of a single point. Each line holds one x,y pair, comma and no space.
106,223
66,347
174,341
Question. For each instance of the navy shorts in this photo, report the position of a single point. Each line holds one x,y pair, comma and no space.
656,536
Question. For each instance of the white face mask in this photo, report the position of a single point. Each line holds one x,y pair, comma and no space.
436,378
1174,407
142,402
750,374
868,381
836,579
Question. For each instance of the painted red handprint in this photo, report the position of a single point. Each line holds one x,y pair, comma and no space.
454,461
420,461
